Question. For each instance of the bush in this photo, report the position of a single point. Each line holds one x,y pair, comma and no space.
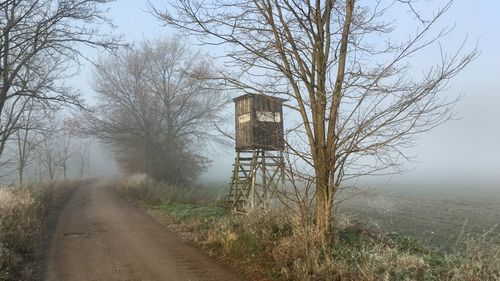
475,258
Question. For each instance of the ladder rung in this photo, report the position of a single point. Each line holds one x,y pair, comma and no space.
256,164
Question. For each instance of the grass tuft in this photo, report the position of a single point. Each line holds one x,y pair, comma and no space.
186,211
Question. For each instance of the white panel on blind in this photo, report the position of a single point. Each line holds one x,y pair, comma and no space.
268,116
244,118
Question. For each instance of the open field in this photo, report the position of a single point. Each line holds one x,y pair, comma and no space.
437,216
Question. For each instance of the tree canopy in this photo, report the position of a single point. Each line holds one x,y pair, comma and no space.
156,107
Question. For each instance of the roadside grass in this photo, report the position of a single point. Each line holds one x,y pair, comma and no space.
23,214
185,211
276,245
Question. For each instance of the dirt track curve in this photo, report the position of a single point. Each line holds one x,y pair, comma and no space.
102,237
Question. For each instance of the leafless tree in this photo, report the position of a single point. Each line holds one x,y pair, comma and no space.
82,158
63,152
25,142
39,41
155,107
53,149
33,120
46,155
345,72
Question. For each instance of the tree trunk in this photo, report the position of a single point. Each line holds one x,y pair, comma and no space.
51,169
324,205
21,173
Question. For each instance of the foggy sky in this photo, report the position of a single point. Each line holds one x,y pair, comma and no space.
464,150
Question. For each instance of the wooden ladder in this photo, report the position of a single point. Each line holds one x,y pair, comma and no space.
241,181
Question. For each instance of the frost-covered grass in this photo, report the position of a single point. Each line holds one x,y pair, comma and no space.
23,213
141,189
278,245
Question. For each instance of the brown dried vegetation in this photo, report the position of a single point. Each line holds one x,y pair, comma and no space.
279,246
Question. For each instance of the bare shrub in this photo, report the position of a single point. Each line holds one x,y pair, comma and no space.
475,258
250,239
294,253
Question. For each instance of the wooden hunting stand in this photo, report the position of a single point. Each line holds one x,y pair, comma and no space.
258,166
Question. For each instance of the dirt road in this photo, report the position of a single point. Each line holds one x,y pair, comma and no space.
100,236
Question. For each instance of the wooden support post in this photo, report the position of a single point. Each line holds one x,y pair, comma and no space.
264,179
254,178
255,173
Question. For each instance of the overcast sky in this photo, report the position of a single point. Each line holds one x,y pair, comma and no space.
465,150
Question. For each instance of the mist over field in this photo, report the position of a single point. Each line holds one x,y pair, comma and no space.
437,215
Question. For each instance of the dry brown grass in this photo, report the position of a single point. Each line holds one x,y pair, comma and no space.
23,213
143,190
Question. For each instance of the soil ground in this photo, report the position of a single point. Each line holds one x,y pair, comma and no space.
100,236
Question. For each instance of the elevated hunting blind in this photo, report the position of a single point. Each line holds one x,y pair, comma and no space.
258,166
259,122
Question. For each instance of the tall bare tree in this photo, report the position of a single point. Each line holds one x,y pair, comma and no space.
82,158
39,40
63,152
343,69
46,155
33,120
155,107
25,142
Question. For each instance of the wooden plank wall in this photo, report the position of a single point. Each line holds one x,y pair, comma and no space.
255,134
